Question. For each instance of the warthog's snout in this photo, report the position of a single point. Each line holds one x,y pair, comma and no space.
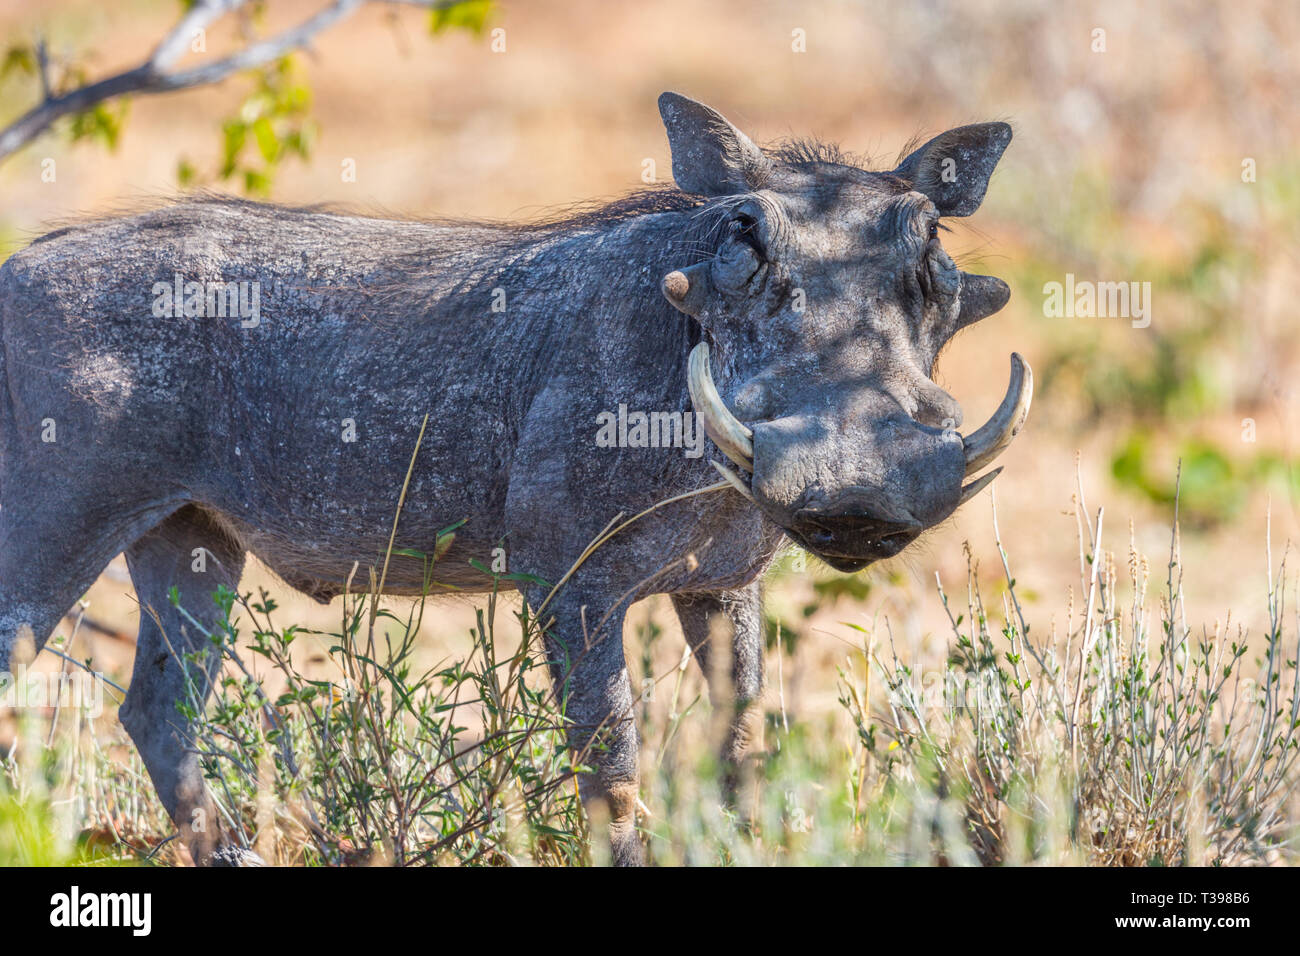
856,488
852,476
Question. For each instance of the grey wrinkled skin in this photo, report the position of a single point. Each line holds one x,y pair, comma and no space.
821,288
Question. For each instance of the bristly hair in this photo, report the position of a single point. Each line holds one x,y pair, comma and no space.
587,214
806,152
911,146
660,197
595,214
810,152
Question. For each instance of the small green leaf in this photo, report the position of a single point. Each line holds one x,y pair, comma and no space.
468,15
267,142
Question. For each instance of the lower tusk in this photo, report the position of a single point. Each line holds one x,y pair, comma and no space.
733,479
978,485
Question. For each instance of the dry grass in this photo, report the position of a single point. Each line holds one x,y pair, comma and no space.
1119,736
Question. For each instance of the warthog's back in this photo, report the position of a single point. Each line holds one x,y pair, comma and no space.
218,345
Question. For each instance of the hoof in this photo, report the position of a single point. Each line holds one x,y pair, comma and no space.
626,848
233,856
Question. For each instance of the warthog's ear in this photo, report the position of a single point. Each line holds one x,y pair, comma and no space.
953,169
710,156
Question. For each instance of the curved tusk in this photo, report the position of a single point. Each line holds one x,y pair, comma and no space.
733,479
731,436
992,438
978,485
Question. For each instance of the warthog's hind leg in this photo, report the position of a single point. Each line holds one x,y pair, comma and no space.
54,543
177,661
725,633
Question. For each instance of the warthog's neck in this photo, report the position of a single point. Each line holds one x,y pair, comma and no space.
601,283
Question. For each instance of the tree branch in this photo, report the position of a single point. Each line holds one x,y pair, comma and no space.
43,66
199,17
152,76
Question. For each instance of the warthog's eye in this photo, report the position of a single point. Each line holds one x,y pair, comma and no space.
744,228
934,229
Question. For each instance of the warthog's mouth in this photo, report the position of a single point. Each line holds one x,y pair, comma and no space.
854,542
885,547
844,565
874,540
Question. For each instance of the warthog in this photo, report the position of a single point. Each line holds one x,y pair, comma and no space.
787,301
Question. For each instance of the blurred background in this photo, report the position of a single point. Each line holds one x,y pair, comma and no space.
1153,143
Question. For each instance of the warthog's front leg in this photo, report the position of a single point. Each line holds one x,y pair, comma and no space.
724,630
190,553
591,680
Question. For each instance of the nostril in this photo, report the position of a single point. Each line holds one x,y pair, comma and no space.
855,534
820,537
891,544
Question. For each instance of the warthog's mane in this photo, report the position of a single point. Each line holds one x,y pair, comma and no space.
806,152
583,215
444,256
578,216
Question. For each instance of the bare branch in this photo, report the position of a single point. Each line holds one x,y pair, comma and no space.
43,67
263,52
152,76
199,17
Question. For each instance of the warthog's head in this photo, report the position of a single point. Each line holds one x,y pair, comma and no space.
826,303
